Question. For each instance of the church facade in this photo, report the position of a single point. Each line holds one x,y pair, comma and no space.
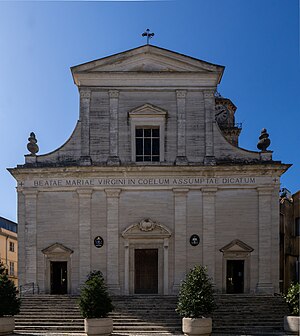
151,182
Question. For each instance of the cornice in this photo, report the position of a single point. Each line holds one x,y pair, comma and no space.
266,169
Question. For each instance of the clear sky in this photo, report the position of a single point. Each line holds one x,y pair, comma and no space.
257,41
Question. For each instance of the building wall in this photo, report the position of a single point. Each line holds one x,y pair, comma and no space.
7,257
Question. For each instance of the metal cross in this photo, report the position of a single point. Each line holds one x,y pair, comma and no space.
148,34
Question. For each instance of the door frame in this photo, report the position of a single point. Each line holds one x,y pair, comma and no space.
57,252
146,234
237,250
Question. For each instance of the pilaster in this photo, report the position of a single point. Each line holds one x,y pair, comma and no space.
264,285
112,199
113,159
30,236
209,228
180,237
85,98
209,106
85,196
181,127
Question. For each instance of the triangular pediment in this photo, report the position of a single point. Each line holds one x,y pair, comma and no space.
236,246
57,248
146,229
148,110
147,58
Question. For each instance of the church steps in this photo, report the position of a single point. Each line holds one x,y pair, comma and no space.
154,315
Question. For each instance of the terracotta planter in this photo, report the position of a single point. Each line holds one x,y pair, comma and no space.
98,326
7,325
197,326
291,324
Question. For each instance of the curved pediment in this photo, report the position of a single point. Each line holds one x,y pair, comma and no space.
146,228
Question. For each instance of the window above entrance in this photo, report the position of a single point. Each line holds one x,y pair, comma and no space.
147,133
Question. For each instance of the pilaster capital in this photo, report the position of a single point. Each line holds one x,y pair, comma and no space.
30,193
84,192
113,193
85,94
181,94
265,190
209,190
180,191
208,93
113,93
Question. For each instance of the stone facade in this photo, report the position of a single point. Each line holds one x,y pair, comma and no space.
142,198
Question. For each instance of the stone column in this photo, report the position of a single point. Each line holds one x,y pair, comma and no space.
112,199
166,266
84,233
209,106
21,235
113,128
85,98
181,128
264,284
209,227
30,236
180,239
126,270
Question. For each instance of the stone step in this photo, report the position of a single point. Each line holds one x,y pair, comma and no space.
153,315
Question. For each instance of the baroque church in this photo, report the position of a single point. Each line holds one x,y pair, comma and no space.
151,182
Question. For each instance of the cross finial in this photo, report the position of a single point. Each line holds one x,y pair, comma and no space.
148,34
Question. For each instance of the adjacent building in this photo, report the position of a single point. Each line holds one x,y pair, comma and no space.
9,247
289,238
151,182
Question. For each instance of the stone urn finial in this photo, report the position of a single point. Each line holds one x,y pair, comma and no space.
32,146
264,141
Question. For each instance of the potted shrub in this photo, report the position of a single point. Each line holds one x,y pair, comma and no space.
95,304
196,302
9,302
291,322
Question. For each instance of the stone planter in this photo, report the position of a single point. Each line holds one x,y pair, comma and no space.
197,326
7,325
291,324
98,326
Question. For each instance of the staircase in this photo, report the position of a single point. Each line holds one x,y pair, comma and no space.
153,315
249,315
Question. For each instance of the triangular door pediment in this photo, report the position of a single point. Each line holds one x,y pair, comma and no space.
57,248
236,246
147,59
147,110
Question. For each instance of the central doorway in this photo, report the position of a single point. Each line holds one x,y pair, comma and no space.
235,277
59,277
146,271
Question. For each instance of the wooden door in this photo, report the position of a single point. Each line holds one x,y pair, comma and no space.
146,271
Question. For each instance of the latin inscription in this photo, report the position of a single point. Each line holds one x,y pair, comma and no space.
144,181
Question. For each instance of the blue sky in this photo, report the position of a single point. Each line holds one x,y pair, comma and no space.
257,41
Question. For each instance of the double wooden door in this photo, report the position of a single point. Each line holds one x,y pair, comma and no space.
146,271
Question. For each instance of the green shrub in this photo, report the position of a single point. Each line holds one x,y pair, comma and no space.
94,301
196,294
292,298
9,302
